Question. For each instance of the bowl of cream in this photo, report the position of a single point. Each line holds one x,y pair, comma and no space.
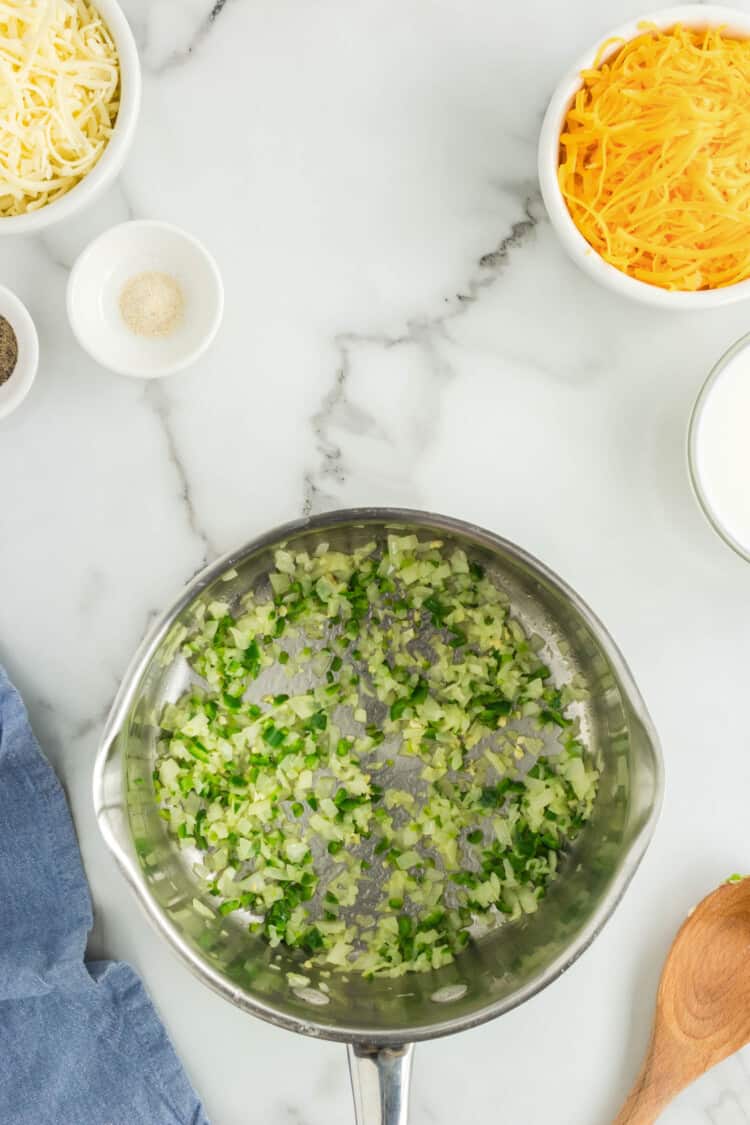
719,447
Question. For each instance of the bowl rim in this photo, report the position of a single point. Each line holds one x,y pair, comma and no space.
19,383
189,357
693,430
110,162
119,842
583,254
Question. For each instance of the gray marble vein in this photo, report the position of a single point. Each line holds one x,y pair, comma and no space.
336,411
197,19
158,400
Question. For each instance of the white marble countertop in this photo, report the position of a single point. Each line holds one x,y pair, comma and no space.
401,328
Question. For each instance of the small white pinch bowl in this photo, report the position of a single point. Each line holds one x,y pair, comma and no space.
14,390
689,15
96,283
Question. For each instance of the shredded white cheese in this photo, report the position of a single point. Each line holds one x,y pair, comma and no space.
59,97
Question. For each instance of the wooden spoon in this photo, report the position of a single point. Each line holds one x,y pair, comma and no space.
703,1003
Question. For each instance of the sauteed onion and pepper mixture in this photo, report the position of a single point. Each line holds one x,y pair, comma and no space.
411,776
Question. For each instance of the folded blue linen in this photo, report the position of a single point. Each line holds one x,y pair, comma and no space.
80,1042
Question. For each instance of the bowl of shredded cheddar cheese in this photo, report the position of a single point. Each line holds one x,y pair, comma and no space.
644,158
70,89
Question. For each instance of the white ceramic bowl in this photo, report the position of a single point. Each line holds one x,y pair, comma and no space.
112,159
691,15
700,456
14,390
96,282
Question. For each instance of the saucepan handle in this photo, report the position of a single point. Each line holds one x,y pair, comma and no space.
380,1083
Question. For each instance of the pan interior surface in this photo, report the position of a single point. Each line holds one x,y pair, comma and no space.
503,967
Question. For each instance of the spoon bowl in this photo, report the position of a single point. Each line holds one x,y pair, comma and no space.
703,1003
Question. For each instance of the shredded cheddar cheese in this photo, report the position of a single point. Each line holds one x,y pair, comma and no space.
59,96
655,158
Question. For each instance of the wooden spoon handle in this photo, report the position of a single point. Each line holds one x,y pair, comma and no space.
638,1110
647,1098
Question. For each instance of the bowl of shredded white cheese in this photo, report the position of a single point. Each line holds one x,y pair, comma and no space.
70,91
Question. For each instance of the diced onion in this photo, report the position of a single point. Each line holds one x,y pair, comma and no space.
416,656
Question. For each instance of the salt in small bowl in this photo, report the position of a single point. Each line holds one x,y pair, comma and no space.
104,268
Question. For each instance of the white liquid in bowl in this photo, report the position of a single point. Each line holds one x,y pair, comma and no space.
721,448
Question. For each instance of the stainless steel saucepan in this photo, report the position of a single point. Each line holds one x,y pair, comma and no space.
381,1019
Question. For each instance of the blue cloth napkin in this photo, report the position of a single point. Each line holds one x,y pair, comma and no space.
80,1043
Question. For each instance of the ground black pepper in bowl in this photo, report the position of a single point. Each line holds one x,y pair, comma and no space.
8,350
